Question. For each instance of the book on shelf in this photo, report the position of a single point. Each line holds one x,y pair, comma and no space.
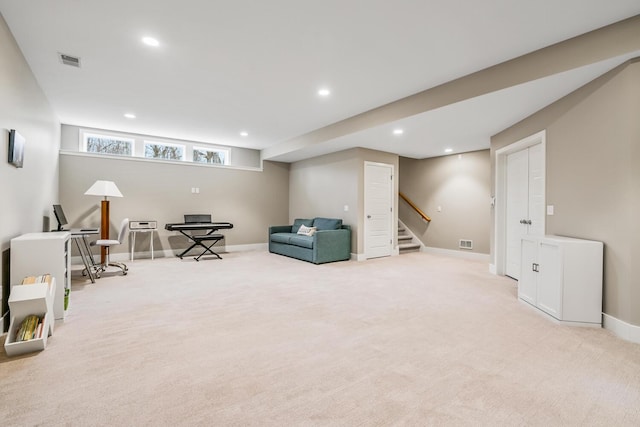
30,328
43,278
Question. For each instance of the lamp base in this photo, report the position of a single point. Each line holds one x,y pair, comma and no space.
104,229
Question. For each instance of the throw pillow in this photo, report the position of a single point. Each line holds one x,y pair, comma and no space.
306,231
327,223
300,221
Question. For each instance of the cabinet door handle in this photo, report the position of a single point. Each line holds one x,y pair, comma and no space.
534,267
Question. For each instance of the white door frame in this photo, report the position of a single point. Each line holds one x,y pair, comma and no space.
391,204
500,191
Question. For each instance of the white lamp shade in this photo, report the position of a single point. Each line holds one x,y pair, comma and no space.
104,188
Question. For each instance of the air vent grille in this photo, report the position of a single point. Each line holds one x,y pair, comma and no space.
70,60
466,244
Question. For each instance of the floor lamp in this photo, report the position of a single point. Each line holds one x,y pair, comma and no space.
104,189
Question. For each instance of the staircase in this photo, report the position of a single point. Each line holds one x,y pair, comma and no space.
405,241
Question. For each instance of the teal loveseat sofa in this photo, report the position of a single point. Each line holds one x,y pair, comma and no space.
330,242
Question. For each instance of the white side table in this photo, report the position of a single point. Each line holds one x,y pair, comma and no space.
132,237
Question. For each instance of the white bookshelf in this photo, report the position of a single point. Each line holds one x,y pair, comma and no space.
26,300
34,254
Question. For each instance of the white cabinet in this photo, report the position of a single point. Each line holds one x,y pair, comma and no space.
26,300
562,276
35,254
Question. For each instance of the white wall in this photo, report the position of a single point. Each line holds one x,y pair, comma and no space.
460,185
26,194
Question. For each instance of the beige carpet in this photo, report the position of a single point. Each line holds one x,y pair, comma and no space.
264,340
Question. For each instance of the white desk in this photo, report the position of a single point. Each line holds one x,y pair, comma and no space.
132,237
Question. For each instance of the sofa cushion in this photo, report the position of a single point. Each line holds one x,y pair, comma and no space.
281,237
302,241
327,223
300,221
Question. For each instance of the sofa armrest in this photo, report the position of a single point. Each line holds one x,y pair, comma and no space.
279,229
332,245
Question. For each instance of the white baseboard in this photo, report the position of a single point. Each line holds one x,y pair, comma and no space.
458,254
621,329
493,269
171,253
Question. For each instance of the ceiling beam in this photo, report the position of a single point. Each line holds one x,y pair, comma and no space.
598,45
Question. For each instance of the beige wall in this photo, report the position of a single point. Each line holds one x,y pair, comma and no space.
461,186
252,200
240,157
26,193
593,178
324,185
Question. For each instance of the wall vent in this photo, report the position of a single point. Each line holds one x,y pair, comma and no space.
466,244
70,60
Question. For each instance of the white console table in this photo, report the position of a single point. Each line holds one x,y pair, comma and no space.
132,238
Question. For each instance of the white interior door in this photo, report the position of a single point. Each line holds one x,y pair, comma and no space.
378,207
525,202
517,208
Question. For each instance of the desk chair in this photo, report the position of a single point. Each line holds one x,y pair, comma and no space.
108,243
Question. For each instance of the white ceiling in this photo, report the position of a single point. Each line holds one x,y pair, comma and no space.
223,67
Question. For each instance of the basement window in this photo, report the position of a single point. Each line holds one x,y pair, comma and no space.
107,144
163,150
213,156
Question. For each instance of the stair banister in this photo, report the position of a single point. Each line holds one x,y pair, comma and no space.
415,208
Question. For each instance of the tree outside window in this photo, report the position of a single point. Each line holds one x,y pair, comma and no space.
108,145
211,156
157,150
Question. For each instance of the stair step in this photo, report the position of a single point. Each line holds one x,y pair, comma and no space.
408,247
404,237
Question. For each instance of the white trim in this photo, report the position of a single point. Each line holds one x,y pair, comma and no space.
547,316
499,193
359,257
457,254
621,329
169,162
492,268
125,257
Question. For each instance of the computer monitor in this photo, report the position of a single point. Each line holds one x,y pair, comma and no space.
59,213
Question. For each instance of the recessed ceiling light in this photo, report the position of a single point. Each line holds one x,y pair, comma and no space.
448,150
130,116
150,41
244,133
324,92
398,131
